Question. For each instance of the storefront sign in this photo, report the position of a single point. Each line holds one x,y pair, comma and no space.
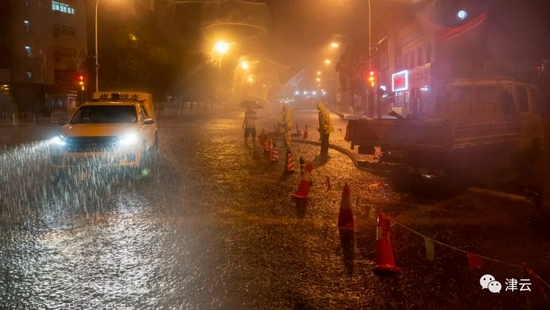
400,81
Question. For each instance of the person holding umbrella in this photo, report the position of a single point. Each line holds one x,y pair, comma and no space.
249,126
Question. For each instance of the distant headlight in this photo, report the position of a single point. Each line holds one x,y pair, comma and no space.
58,140
128,139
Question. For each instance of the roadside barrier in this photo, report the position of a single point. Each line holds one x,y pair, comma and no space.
266,145
17,118
57,115
274,153
289,167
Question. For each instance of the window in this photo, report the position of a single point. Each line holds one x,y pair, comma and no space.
63,52
144,111
523,99
429,53
62,7
486,94
461,95
27,26
411,60
28,51
64,30
29,75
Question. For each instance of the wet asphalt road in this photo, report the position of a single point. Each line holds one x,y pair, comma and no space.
211,225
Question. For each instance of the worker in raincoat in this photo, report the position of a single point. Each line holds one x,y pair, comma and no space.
287,124
325,127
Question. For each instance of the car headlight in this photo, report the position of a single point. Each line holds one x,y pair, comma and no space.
128,139
59,140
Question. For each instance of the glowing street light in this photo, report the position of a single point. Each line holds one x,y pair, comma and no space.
327,61
245,65
334,45
318,72
250,79
221,47
318,80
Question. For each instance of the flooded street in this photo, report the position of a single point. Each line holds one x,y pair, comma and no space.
211,225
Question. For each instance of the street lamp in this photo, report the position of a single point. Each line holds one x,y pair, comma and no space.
221,48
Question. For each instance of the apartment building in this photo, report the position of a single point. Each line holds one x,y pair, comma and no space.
43,50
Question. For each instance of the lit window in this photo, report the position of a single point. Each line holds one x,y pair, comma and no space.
27,26
62,7
28,51
29,75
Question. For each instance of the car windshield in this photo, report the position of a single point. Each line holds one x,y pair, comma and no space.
105,114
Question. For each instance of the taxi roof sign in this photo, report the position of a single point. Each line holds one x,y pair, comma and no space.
119,96
146,99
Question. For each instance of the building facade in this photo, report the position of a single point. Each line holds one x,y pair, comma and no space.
448,39
43,52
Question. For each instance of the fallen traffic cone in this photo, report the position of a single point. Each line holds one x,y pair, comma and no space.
289,168
298,131
303,188
384,252
305,133
328,184
345,217
536,297
274,153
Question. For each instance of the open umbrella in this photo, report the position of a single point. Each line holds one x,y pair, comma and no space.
251,104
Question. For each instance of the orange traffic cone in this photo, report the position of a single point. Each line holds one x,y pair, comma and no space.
346,137
345,217
305,133
536,297
384,252
303,188
328,184
289,168
266,145
274,153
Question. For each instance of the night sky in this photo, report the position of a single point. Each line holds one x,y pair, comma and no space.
301,30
